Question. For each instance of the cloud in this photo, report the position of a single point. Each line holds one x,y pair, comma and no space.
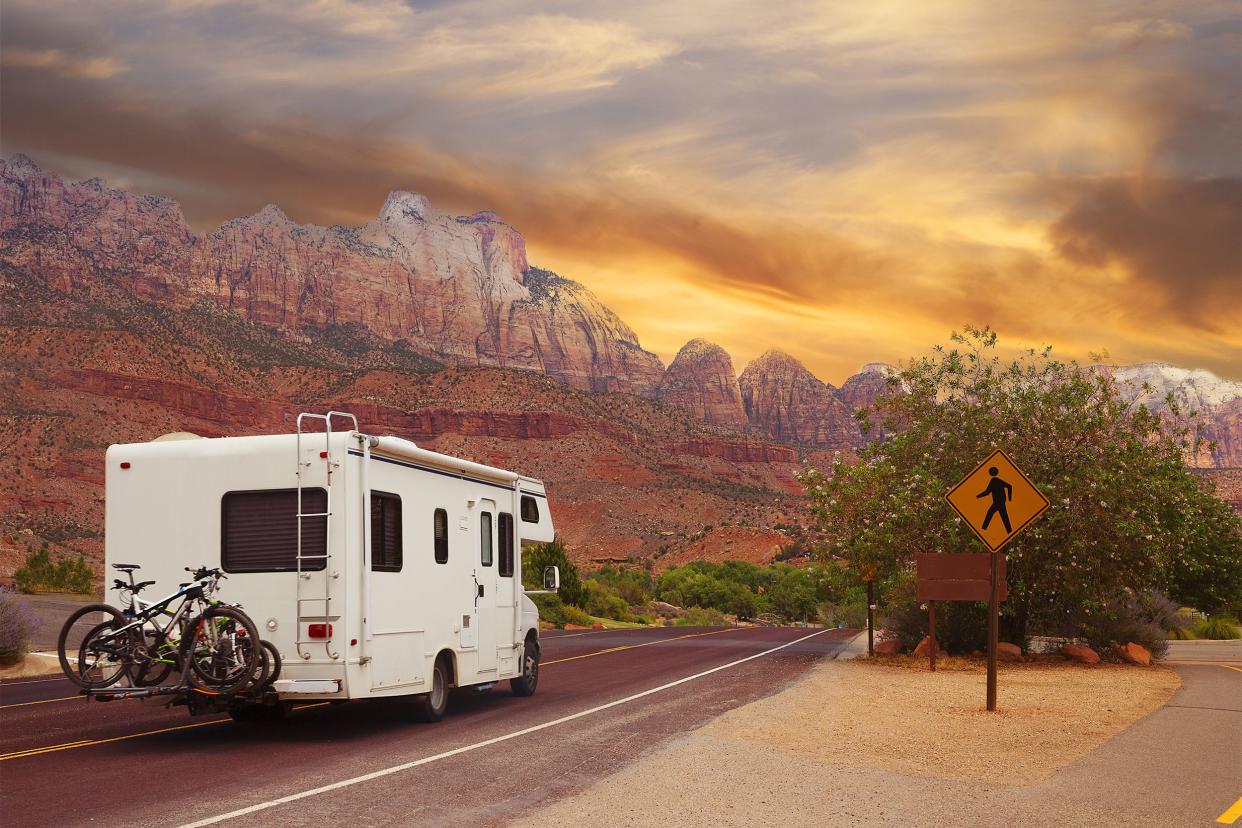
1142,31
1180,237
57,62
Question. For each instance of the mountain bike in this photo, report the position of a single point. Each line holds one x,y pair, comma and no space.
215,646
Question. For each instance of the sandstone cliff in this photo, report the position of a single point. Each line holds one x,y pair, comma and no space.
787,402
701,381
455,289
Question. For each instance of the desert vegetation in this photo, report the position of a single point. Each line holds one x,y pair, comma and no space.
1130,536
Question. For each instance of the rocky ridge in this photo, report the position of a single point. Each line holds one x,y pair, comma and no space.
789,403
701,381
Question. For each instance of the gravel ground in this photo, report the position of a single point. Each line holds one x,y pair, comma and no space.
861,744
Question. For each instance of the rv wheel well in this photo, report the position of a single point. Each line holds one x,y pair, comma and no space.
450,664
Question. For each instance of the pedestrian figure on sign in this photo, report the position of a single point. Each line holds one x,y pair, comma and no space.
1001,493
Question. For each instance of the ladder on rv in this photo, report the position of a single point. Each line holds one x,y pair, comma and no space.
304,585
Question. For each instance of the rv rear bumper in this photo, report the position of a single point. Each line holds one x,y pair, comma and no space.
307,687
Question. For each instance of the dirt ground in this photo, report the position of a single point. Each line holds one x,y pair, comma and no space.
865,744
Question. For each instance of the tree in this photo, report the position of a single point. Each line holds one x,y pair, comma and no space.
540,556
1125,513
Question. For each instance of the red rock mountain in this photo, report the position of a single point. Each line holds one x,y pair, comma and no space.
788,403
455,289
702,382
860,392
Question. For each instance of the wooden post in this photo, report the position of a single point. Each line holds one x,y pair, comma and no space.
931,623
870,620
993,625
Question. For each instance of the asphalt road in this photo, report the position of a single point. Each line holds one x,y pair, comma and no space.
605,697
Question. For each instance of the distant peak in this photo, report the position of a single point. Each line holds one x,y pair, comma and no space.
21,163
403,206
881,368
481,216
271,212
698,348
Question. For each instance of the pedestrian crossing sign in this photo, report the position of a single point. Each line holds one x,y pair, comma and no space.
996,500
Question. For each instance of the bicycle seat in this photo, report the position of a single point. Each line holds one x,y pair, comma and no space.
127,567
135,589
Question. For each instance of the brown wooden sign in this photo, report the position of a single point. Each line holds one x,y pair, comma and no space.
964,577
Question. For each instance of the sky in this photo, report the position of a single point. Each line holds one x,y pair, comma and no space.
848,182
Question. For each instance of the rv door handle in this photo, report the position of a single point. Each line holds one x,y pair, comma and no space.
480,590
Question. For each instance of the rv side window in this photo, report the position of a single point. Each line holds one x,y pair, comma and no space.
385,532
504,524
441,532
530,509
259,530
485,538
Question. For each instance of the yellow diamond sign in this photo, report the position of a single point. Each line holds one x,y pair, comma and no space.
997,500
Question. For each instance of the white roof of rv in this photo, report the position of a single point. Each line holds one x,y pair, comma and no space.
398,447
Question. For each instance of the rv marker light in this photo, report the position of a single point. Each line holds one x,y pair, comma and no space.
125,464
323,455
319,631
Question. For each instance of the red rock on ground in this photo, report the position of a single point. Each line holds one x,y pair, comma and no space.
598,626
1080,653
1008,652
925,644
890,647
576,627
1135,654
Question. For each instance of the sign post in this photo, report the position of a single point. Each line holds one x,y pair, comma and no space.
997,501
931,634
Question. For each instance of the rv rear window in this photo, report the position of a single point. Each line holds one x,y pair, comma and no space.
259,530
441,533
530,509
504,525
485,538
385,532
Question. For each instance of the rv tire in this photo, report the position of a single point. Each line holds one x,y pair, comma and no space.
430,707
525,684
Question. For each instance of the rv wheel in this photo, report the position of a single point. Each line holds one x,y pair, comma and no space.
430,707
529,680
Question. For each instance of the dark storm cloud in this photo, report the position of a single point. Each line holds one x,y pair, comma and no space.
1183,238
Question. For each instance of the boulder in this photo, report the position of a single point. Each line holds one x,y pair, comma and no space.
890,646
576,627
1008,652
1080,653
598,625
665,610
924,647
1135,654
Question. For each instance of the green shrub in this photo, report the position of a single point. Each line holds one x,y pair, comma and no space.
604,602
1182,634
852,615
17,625
38,572
551,609
576,615
699,617
1218,627
540,556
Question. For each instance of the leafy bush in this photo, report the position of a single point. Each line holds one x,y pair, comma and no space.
72,574
576,615
961,626
1144,618
852,614
551,609
604,602
1218,627
540,556
17,625
700,617
635,586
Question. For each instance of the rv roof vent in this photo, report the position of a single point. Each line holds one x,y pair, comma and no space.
176,435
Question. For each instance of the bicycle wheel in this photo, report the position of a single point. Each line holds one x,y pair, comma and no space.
221,650
154,661
105,655
74,631
274,662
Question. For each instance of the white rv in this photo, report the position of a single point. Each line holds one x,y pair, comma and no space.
375,567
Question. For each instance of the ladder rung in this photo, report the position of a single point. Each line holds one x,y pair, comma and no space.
313,557
315,514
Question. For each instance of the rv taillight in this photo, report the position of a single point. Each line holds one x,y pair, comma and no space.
319,631
125,465
323,455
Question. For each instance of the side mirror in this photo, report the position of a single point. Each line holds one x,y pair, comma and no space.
552,578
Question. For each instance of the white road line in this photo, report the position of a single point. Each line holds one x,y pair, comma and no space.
427,760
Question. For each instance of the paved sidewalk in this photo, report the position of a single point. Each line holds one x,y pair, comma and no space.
1216,651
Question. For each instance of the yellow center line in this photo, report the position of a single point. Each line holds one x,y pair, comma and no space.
22,754
1231,667
1230,816
636,646
40,701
